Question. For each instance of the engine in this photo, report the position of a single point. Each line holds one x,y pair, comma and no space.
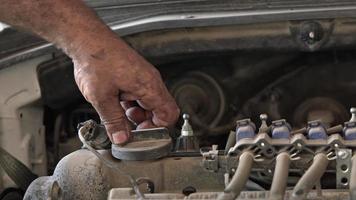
273,161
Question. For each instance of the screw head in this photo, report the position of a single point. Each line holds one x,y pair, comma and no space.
342,154
263,117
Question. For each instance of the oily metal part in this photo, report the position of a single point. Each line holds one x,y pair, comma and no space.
147,144
280,177
81,133
82,176
126,194
238,181
343,168
353,178
311,177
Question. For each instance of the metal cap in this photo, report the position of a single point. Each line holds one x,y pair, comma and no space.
353,114
187,129
145,144
264,126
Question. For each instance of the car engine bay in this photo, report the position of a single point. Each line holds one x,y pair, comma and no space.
289,135
267,112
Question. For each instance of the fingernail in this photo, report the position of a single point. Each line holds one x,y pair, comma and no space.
120,137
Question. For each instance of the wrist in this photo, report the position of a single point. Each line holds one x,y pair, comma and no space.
87,45
93,44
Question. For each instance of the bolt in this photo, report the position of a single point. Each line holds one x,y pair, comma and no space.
299,145
342,154
311,35
262,144
189,190
336,145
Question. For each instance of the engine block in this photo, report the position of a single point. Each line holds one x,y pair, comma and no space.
274,162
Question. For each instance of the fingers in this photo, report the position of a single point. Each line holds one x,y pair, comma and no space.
137,115
155,100
146,124
165,111
127,104
166,114
113,117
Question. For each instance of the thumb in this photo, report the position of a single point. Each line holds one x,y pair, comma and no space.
114,119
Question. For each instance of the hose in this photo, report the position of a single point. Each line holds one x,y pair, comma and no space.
58,127
16,170
240,177
353,178
280,177
231,140
310,177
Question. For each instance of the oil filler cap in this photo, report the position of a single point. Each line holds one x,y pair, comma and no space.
145,144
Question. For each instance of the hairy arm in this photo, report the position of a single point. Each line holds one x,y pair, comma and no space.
120,84
69,24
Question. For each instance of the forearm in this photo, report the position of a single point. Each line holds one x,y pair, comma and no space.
107,71
69,24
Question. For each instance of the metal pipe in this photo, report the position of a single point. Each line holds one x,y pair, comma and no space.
353,178
230,141
280,177
240,177
310,177
334,129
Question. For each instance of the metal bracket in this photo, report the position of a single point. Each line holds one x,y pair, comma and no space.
211,159
343,168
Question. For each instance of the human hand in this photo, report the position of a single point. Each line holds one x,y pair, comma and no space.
121,85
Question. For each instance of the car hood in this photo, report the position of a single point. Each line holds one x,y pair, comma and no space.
133,16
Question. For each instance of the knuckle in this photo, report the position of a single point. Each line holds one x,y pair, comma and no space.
114,121
94,98
155,73
96,95
168,115
116,124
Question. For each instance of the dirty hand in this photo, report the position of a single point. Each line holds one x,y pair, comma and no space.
122,86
